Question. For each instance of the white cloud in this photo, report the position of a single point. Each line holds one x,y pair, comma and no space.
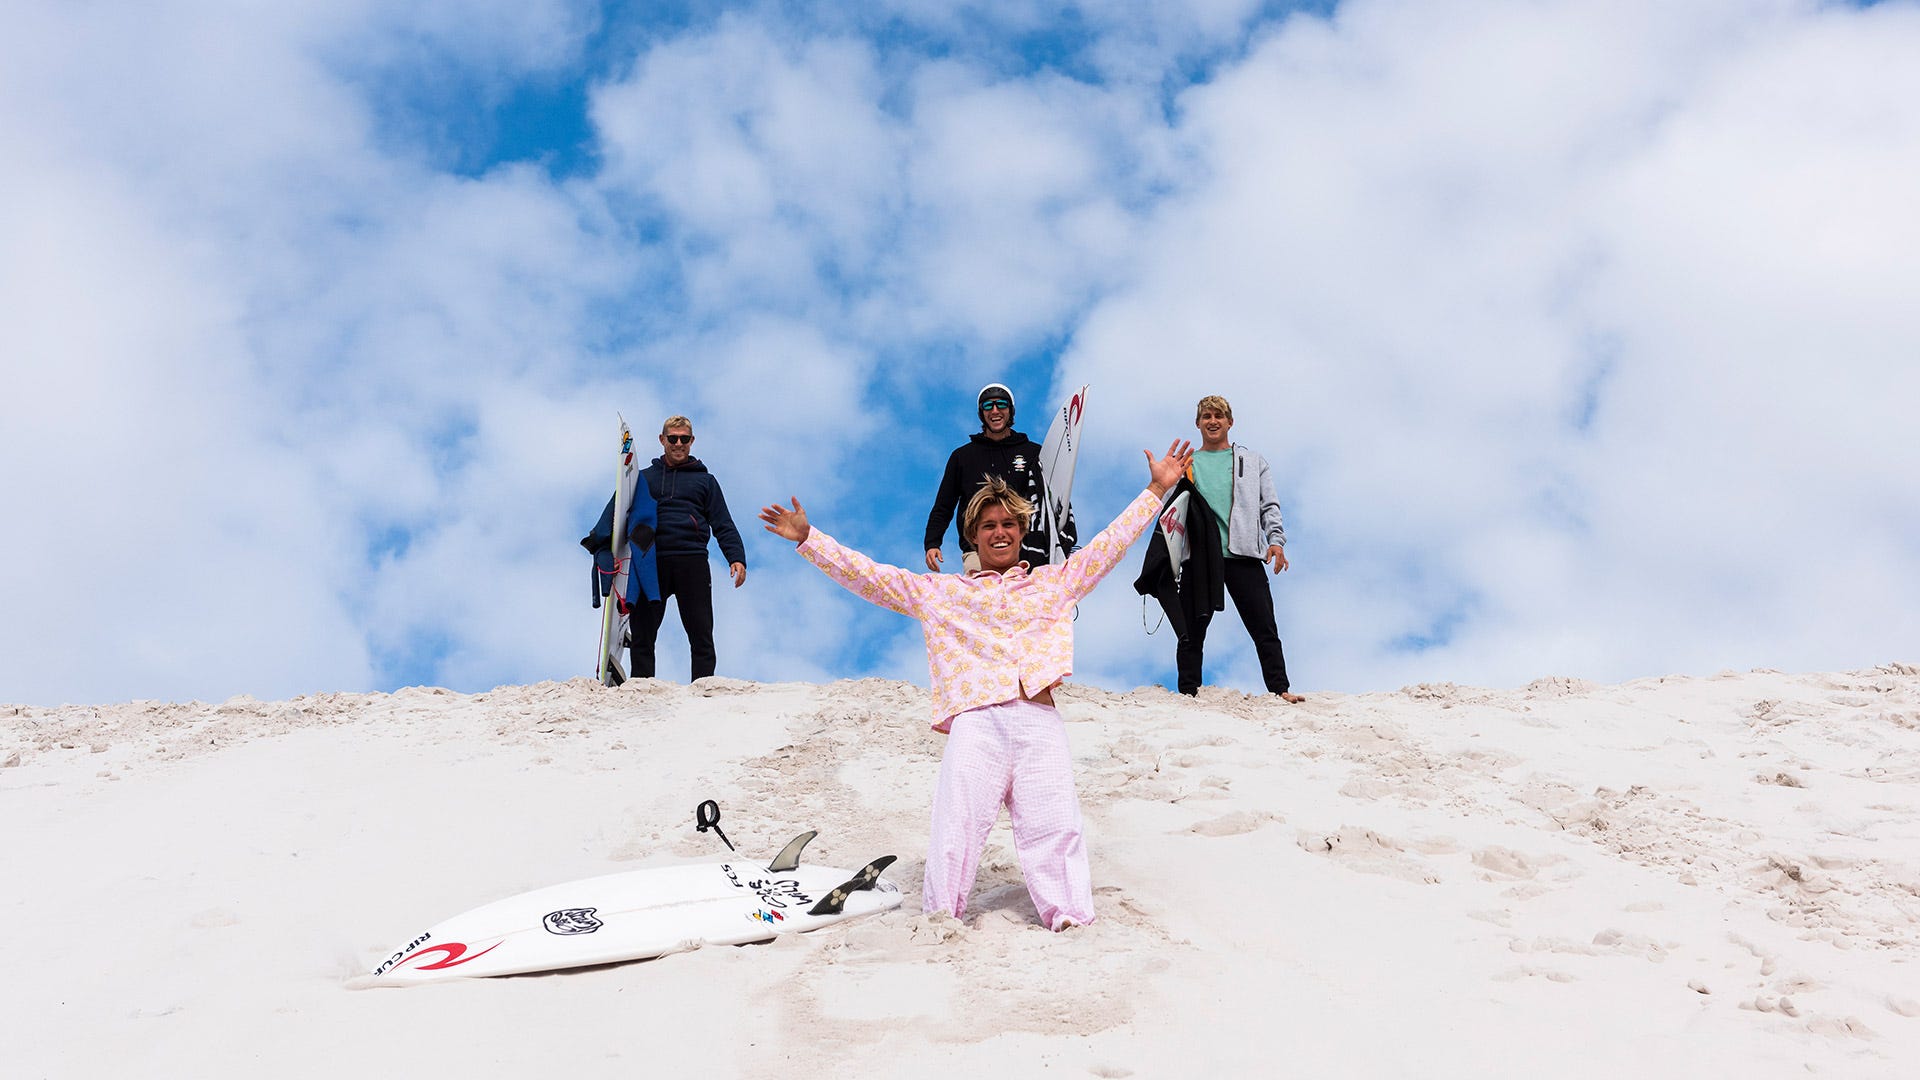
503,35
1426,238
233,329
769,158
159,523
1018,194
807,175
1575,331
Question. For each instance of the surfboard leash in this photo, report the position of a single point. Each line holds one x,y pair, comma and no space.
707,816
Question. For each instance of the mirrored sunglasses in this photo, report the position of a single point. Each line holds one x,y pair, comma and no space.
996,403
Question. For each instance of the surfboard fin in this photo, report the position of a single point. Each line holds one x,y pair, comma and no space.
789,857
836,901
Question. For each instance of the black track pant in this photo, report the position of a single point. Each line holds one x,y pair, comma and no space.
689,579
1246,581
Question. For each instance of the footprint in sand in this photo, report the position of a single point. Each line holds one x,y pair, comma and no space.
1237,823
1368,852
1366,789
1626,944
934,928
1766,958
1516,974
1499,862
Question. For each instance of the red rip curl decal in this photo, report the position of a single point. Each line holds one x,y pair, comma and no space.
456,954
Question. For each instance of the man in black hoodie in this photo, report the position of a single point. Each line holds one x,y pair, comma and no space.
997,450
690,507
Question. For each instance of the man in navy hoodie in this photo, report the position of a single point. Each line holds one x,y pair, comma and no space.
691,507
997,450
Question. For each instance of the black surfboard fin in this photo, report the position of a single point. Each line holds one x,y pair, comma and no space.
836,901
789,857
616,674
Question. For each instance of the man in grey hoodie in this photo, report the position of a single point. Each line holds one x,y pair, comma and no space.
1238,487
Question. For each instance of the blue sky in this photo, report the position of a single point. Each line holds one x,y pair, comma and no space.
1577,332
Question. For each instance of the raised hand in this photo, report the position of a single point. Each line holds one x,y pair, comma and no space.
1168,470
789,524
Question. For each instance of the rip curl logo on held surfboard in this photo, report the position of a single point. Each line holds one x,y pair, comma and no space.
1171,522
570,921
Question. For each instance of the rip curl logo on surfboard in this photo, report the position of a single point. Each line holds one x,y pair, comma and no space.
452,954
570,921
400,957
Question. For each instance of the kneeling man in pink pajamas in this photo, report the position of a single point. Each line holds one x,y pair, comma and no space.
998,641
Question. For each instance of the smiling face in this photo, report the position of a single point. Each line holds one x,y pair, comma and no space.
1214,424
997,533
996,416
676,445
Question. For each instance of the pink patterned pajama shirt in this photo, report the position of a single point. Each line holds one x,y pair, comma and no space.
993,640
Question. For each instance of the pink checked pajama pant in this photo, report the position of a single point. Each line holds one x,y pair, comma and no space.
1013,754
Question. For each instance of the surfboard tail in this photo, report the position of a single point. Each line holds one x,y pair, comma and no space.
836,901
613,628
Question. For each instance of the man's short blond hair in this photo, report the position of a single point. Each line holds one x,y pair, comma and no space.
995,490
675,421
1216,403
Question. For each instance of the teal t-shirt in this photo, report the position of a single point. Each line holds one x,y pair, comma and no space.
1213,475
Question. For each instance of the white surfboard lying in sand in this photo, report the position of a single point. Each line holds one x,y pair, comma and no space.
642,913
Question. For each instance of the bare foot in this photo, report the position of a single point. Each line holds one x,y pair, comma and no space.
1292,699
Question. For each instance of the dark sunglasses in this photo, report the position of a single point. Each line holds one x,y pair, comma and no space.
678,440
996,403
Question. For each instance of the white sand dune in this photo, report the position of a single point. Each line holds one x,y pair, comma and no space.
1677,877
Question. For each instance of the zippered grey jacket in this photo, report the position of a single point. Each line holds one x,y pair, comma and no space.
1253,519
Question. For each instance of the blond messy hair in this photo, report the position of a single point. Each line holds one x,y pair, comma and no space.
995,490
1216,403
675,421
